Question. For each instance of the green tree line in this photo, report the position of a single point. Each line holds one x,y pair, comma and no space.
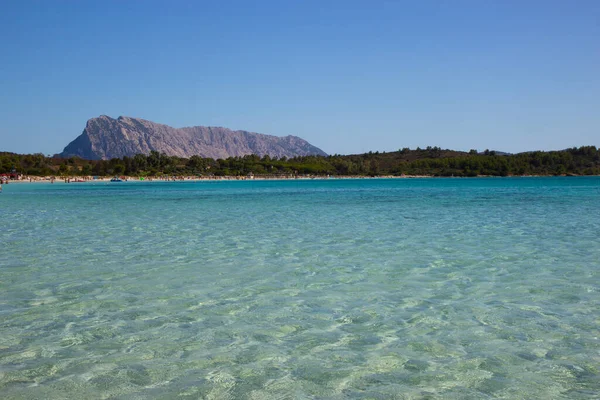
431,161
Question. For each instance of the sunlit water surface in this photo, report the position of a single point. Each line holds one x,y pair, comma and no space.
333,289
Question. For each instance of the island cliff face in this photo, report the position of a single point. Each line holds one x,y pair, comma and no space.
104,138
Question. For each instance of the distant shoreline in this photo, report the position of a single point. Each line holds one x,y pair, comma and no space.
404,163
206,179
82,179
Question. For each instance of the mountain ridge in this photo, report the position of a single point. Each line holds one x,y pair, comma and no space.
105,138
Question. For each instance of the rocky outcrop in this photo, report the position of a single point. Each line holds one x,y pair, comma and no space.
106,138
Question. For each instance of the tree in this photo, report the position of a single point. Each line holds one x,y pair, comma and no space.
63,170
154,159
119,169
140,162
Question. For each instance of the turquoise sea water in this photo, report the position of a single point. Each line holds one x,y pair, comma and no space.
333,289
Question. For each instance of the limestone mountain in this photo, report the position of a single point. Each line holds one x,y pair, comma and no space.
105,138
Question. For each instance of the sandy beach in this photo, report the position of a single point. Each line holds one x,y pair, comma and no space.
89,179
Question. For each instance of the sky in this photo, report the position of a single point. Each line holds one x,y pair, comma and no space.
348,76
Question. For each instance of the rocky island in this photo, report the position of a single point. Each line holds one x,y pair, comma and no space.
105,138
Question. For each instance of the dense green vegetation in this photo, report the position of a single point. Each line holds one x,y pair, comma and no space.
430,161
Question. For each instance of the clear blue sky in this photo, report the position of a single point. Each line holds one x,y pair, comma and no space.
348,76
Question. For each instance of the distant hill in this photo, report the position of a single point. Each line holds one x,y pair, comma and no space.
104,138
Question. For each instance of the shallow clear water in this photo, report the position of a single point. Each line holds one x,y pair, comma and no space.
341,289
